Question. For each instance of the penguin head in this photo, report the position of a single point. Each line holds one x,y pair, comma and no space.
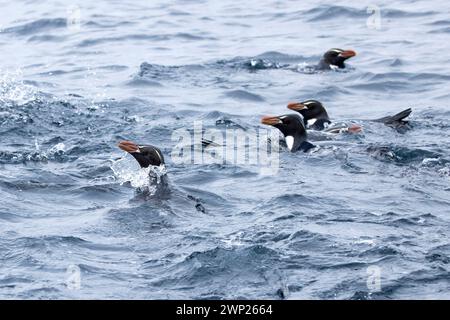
145,155
336,57
311,110
293,129
289,124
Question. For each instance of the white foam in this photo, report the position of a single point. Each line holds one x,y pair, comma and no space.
430,161
58,148
13,89
127,170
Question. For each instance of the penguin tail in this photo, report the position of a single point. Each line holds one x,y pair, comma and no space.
399,117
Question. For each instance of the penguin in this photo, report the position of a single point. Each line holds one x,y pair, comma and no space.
148,155
293,129
316,117
334,59
314,114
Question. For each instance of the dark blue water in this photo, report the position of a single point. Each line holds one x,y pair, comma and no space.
75,81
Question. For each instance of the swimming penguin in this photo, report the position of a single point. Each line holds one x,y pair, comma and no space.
146,156
316,117
293,129
334,59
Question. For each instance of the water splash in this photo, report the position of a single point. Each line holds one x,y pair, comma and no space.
305,67
55,153
126,170
13,90
58,148
262,64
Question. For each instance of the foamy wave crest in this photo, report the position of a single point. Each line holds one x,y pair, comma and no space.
127,170
13,89
55,153
305,67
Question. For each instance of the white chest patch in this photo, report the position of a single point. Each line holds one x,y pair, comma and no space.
311,122
290,142
333,67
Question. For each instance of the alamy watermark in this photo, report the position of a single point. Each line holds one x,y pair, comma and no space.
373,279
250,147
73,277
374,20
73,18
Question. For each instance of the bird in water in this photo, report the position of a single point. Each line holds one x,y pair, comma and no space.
315,117
148,155
293,129
334,59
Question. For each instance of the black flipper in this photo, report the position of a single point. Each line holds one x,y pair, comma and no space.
397,119
305,146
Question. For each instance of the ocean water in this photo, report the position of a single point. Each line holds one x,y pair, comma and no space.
364,217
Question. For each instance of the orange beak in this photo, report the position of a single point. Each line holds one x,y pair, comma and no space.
128,146
270,120
347,54
296,106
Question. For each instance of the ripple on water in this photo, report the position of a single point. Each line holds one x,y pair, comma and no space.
245,268
37,26
244,95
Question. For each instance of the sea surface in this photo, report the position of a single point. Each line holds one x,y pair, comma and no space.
364,216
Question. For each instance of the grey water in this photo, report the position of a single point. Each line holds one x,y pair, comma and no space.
365,217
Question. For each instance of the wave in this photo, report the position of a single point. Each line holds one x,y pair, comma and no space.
37,26
401,155
440,30
244,95
55,153
405,76
47,38
10,217
141,82
144,37
236,273
324,12
330,12
439,255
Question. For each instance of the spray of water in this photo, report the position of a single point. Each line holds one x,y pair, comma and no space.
126,170
57,152
13,89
